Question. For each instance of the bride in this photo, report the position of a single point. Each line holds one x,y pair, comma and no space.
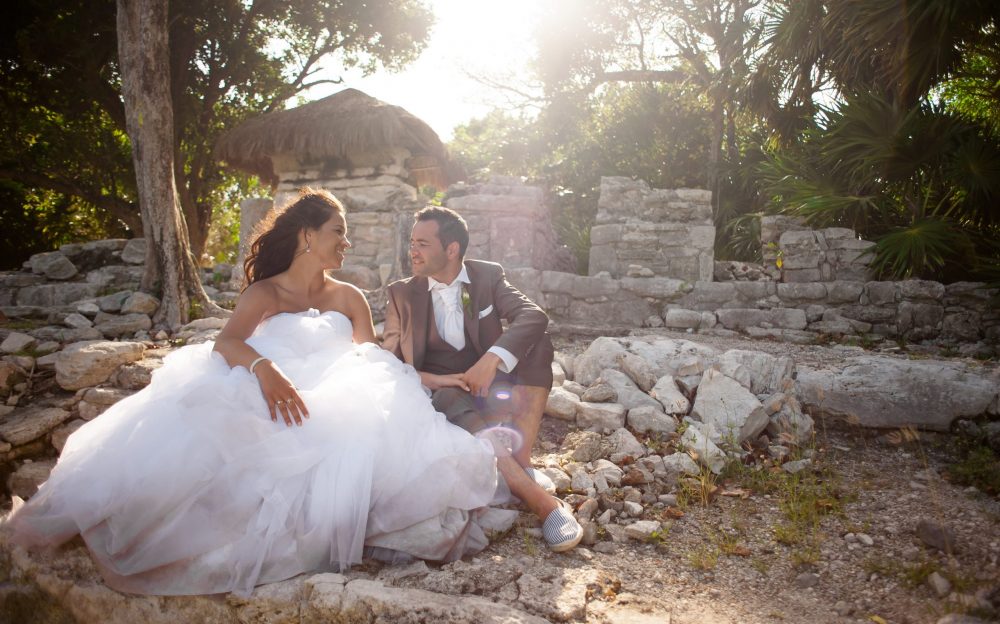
289,446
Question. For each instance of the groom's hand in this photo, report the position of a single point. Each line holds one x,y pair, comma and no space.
480,376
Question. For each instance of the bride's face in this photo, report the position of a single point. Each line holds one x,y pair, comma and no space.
329,242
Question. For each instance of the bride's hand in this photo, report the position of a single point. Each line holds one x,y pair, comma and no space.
436,382
280,394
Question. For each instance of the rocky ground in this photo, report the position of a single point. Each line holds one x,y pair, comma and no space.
874,528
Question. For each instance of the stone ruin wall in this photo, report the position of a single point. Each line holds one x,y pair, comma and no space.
509,223
640,231
642,278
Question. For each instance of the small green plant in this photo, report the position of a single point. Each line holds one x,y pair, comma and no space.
806,555
976,465
22,324
529,544
788,534
704,557
659,536
760,564
195,310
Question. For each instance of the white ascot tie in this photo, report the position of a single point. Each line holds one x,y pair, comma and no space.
450,323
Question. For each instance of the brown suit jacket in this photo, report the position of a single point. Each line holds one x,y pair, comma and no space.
492,298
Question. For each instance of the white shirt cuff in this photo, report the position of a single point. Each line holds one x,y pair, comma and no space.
507,359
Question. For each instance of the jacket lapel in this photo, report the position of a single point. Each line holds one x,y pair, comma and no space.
472,312
420,299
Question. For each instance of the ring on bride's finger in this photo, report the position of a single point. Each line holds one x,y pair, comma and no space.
279,402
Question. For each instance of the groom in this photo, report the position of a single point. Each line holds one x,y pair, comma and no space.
445,321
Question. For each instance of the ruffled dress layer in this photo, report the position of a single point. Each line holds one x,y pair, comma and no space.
188,487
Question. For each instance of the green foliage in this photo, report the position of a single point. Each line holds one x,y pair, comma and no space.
62,122
976,464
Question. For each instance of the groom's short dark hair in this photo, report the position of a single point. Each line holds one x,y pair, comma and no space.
452,228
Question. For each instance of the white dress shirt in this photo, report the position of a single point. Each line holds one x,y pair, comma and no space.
450,320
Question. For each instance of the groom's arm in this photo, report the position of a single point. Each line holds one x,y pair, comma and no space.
526,322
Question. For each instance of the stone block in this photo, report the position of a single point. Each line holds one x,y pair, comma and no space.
842,291
600,416
24,425
52,295
781,318
89,363
796,293
732,409
25,481
134,251
801,275
921,290
677,318
53,265
16,341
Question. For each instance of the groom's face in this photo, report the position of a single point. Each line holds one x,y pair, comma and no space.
427,255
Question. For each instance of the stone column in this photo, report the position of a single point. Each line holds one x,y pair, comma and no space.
252,210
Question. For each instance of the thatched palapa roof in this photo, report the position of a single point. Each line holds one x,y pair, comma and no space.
345,123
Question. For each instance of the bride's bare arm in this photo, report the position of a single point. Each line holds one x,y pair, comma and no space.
255,304
361,316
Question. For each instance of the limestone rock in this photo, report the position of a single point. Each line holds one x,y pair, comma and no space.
114,301
885,392
608,471
76,320
600,416
561,404
68,334
764,372
10,376
61,434
585,446
638,370
601,354
705,451
558,374
140,303
124,325
626,391
648,419
559,478
23,426
729,407
600,392
52,265
89,363
16,341
642,530
780,318
670,397
789,424
622,442
134,251
678,318
25,480
680,464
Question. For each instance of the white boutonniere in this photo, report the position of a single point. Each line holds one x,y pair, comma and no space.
466,300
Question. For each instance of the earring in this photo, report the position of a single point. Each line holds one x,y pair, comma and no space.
308,248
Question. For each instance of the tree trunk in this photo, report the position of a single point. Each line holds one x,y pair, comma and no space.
143,52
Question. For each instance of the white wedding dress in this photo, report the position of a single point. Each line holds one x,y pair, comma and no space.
188,487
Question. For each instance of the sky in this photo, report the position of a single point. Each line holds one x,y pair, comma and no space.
470,36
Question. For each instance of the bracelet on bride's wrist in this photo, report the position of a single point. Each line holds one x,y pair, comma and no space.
254,364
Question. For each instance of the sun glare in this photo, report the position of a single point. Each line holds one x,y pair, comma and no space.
470,37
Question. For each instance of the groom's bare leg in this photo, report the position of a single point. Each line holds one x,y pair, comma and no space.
525,488
530,405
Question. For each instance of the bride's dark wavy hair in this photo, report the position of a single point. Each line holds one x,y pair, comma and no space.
277,235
